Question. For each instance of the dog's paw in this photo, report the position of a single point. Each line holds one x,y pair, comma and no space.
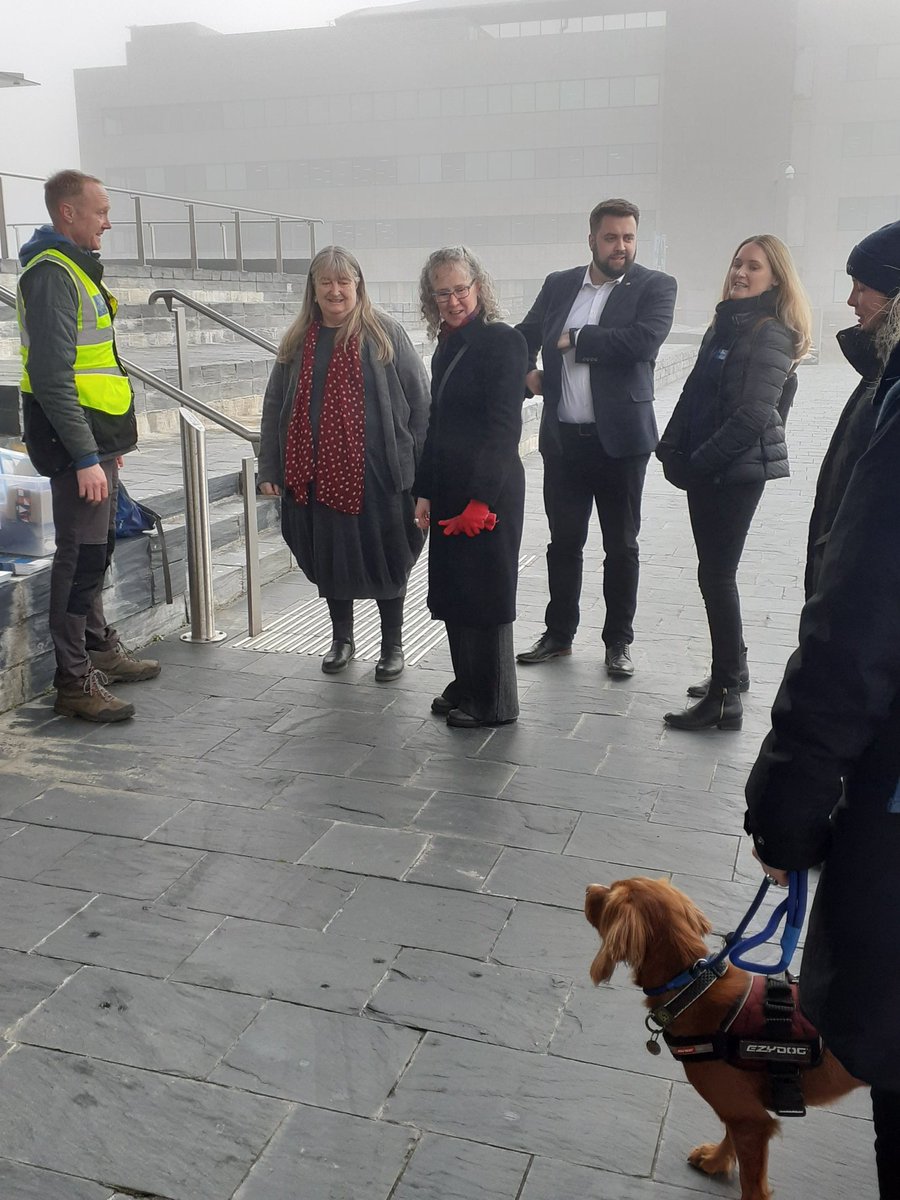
712,1158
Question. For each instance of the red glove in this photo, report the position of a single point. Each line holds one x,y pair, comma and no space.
473,518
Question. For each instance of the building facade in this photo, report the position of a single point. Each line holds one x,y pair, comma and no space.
500,124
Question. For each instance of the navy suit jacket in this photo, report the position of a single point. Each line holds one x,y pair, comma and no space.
621,351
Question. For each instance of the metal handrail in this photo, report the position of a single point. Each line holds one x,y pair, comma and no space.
169,294
138,196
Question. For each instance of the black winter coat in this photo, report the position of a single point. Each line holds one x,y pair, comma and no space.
726,427
472,453
849,441
826,785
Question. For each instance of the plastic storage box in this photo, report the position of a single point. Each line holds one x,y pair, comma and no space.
26,516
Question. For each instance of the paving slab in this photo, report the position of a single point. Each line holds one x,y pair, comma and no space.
425,917
532,1102
335,1061
336,799
26,980
300,965
18,1182
168,1027
452,1169
271,833
507,822
365,850
330,1156
79,1116
119,866
451,862
30,912
283,893
482,1001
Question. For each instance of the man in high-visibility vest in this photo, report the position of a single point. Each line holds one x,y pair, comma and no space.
78,411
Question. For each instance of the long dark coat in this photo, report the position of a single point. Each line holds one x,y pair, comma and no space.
472,453
726,427
826,785
849,441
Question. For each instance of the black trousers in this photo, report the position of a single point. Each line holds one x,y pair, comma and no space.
484,666
576,480
720,519
886,1111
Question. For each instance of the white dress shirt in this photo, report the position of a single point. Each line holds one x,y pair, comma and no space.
576,405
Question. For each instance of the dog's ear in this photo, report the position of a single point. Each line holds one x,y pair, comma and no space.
594,900
624,936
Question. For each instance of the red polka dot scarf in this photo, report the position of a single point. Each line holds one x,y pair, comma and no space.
339,470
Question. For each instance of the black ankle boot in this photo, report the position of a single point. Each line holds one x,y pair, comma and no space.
390,663
338,657
720,707
699,690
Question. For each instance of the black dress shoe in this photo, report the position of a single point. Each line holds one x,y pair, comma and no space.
457,718
720,708
618,661
546,647
441,706
390,665
699,690
338,657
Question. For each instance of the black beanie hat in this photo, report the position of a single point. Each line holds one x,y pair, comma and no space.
876,260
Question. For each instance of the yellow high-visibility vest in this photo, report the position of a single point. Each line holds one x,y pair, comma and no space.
99,380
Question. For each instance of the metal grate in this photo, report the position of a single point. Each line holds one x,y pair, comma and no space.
307,628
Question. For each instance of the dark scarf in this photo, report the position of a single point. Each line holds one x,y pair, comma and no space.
339,469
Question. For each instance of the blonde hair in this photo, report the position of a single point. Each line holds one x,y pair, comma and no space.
887,334
792,307
363,322
487,295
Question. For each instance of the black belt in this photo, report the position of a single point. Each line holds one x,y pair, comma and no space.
587,430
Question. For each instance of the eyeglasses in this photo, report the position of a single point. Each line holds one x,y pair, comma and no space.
458,293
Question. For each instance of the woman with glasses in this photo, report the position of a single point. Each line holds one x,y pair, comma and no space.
471,485
343,424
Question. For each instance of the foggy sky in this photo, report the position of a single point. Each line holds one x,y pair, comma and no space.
48,39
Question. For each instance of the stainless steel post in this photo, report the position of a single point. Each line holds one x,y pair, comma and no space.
279,252
238,244
311,226
192,232
251,546
181,345
199,543
4,241
139,232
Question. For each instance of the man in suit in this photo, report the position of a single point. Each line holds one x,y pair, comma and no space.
600,330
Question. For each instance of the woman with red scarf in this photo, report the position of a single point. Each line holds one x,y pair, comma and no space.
343,424
471,486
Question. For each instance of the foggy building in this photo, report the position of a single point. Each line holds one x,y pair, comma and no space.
501,124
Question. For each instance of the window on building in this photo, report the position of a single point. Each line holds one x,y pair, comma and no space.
546,96
453,168
858,138
500,98
429,168
646,89
571,94
362,106
499,164
429,103
861,62
522,96
476,101
453,102
521,164
476,166
621,92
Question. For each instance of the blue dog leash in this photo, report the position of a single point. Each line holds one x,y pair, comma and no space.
791,910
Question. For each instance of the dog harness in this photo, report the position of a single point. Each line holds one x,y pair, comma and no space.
765,1030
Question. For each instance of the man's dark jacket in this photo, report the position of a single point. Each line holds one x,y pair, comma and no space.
826,784
59,431
621,351
851,436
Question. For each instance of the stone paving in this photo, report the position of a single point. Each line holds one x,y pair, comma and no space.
286,937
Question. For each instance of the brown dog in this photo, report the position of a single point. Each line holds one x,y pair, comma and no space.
659,932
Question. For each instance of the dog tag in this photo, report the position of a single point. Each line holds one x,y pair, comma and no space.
653,1045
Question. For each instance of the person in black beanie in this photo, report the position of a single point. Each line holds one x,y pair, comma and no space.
726,440
870,348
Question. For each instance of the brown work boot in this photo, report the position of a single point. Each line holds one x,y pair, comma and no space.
120,665
88,698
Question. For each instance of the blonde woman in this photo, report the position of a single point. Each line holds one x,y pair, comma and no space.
343,424
726,440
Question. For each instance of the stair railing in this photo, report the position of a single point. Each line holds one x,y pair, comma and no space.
196,495
278,220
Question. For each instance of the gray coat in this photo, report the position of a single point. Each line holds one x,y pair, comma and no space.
403,396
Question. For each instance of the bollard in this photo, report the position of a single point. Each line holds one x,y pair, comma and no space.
199,545
251,547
